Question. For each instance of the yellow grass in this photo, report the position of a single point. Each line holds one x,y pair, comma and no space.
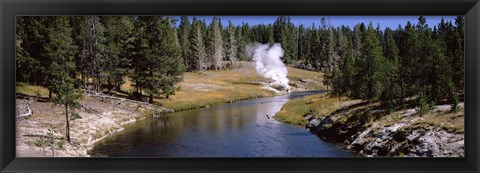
28,89
318,105
295,74
450,121
202,89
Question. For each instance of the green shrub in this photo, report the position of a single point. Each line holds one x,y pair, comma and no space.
423,104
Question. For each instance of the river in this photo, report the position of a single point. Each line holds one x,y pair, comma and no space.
239,129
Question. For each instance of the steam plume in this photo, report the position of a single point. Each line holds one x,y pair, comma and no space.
268,62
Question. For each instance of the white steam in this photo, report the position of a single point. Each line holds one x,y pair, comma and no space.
268,62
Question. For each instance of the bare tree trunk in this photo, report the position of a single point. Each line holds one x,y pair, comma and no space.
53,149
68,123
83,80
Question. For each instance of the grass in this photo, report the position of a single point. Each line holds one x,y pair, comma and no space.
318,105
209,88
33,90
295,74
450,121
321,105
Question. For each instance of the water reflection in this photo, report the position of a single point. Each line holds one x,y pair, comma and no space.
233,130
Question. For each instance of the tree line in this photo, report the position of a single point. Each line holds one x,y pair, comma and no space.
412,62
98,52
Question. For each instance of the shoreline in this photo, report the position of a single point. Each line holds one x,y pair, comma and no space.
364,128
92,127
107,121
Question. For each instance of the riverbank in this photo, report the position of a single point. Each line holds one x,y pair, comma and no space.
209,88
365,127
96,120
100,117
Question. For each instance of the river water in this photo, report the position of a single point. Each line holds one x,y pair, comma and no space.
239,129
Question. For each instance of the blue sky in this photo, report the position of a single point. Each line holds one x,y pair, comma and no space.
384,21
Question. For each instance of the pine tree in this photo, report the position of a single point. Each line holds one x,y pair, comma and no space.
113,62
198,53
173,66
302,43
184,31
90,39
331,49
216,44
61,76
281,34
232,44
269,34
160,52
26,65
408,53
371,70
391,93
342,76
33,36
314,49
323,59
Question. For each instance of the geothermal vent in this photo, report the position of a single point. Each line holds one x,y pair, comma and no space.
269,64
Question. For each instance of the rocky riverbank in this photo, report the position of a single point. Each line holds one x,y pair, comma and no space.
402,133
42,134
367,128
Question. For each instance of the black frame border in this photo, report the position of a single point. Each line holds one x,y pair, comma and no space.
11,8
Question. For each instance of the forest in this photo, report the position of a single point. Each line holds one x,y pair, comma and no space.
67,54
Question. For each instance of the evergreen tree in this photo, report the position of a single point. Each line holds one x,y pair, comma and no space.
33,36
137,47
159,49
61,76
94,40
26,66
391,93
232,44
331,48
302,43
171,53
407,42
269,34
198,54
281,33
217,44
342,76
184,31
113,62
313,48
324,45
371,70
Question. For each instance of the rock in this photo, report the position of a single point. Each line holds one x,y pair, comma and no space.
280,87
308,117
313,123
324,121
304,80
